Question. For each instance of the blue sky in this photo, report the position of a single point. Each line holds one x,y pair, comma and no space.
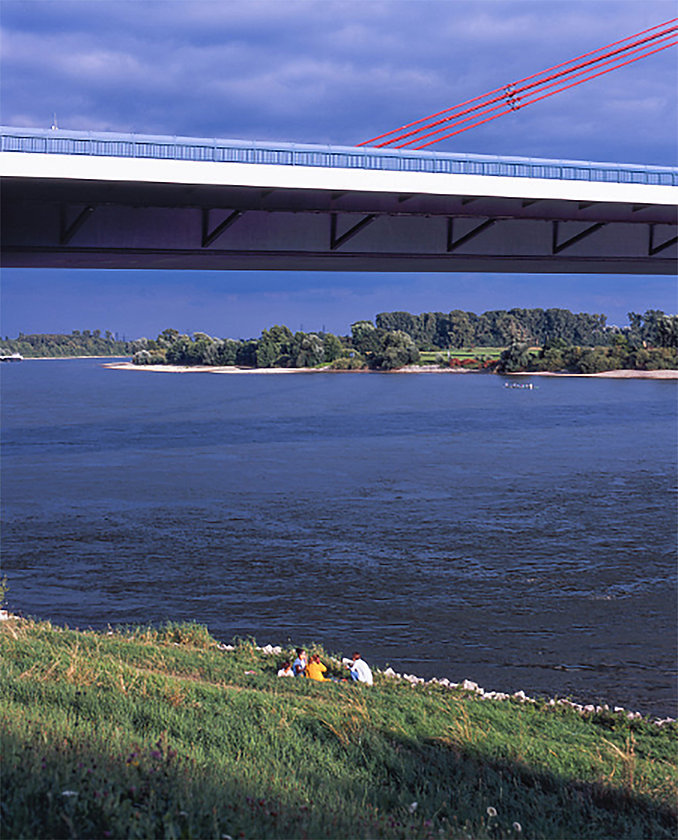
327,72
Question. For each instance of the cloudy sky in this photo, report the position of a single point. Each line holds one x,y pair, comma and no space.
324,71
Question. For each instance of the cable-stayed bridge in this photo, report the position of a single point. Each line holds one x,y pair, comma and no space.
103,200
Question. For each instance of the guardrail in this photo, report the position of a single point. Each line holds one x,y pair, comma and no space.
43,141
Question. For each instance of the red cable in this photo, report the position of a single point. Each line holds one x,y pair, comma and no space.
565,87
536,99
483,105
527,78
485,110
529,101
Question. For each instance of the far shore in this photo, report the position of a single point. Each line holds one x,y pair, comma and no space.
607,374
58,358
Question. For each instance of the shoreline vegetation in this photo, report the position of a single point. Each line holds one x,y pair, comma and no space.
167,732
500,341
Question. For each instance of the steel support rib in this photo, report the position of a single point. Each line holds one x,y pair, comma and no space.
69,231
558,247
209,237
338,241
455,243
655,249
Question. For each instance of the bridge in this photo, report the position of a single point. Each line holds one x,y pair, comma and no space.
102,200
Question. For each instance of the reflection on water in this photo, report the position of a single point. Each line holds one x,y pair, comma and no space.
443,524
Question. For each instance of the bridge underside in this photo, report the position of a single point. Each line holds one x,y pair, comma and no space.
61,223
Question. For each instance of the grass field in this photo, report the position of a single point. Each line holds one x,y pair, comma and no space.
159,733
481,353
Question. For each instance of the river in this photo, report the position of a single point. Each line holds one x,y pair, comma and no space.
442,524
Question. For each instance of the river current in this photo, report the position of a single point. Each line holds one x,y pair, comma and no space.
442,524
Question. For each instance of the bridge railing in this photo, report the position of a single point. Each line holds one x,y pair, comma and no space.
43,141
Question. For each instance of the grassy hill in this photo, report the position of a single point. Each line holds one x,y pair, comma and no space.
160,733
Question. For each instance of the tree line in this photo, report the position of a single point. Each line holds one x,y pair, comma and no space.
85,343
366,347
623,353
500,327
535,339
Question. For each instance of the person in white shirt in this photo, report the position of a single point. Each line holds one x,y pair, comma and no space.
360,671
286,670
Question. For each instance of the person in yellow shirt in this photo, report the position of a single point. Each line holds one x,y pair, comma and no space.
315,670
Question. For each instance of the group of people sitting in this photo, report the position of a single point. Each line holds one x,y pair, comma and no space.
313,668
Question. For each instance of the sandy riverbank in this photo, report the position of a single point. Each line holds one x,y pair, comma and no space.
207,369
608,374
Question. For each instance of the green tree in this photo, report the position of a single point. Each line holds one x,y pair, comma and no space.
227,352
515,358
667,331
366,338
267,352
179,352
350,361
332,347
247,353
167,337
308,350
397,350
275,347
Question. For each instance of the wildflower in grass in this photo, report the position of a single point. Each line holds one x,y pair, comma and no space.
517,827
491,812
413,807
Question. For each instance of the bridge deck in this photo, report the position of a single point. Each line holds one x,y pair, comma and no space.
114,200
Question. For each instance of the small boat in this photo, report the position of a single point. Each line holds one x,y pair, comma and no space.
524,386
15,357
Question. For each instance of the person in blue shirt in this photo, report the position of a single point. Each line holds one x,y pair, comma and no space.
300,663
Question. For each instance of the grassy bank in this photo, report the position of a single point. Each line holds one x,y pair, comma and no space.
159,733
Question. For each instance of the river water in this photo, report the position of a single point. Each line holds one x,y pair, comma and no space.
442,524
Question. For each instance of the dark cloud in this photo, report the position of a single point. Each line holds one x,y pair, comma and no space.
334,71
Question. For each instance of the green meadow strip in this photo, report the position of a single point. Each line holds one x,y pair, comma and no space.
157,732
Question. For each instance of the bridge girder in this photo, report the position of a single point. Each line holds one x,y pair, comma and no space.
54,222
